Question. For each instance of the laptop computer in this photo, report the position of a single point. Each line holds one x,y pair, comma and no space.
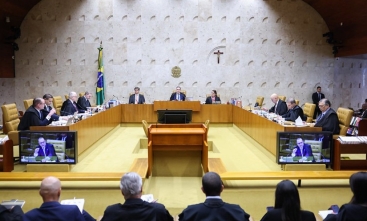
70,121
189,99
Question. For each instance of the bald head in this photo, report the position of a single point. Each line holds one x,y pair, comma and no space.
50,189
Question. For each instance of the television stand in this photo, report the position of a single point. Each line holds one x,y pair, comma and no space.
48,168
303,167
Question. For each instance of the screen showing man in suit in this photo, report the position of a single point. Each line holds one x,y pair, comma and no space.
302,150
136,98
45,151
177,96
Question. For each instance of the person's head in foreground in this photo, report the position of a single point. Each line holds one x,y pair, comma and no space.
50,189
212,184
287,199
358,185
131,185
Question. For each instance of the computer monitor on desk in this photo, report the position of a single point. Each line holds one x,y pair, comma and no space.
174,116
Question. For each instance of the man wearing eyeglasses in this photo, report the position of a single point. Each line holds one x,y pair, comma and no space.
178,96
69,107
36,115
302,149
328,119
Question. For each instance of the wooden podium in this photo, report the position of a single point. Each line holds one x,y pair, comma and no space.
177,150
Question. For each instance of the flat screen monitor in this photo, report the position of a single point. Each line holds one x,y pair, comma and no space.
174,116
304,148
48,147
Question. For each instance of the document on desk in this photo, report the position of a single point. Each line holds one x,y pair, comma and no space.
13,202
77,202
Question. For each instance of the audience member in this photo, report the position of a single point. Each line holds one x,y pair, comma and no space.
136,98
51,209
287,205
316,98
328,119
302,149
36,115
177,96
213,98
13,214
294,111
134,207
280,107
356,209
213,208
69,107
83,101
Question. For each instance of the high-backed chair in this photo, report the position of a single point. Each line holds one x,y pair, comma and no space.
297,102
182,91
6,156
344,115
59,146
145,127
316,147
308,110
57,103
259,101
27,103
281,97
207,124
11,121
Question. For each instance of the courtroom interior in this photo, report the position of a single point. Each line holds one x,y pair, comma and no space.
245,51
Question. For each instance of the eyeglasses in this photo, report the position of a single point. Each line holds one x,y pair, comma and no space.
321,105
300,143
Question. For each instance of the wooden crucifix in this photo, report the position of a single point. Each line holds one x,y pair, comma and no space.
218,53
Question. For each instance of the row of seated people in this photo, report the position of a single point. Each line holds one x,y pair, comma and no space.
287,206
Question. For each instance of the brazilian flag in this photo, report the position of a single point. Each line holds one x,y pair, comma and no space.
100,78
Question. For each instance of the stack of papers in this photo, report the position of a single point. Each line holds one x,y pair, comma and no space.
13,202
324,213
352,140
148,198
77,202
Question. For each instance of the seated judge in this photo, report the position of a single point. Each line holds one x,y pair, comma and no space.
69,107
294,111
51,209
213,208
48,102
302,149
213,98
178,96
136,98
44,150
280,107
83,101
36,115
328,119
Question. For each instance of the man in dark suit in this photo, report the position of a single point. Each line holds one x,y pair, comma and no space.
51,209
328,119
178,96
69,107
136,98
134,207
294,111
83,101
213,208
48,102
280,107
45,150
67,138
36,115
302,149
316,97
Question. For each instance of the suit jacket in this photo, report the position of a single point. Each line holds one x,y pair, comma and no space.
15,214
136,210
68,141
173,97
353,212
83,103
307,151
315,98
32,118
68,108
213,210
276,215
140,101
281,108
54,211
54,117
209,100
293,114
49,149
329,122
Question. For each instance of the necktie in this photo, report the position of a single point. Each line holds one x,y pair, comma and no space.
40,114
320,117
136,99
319,96
275,109
76,109
178,97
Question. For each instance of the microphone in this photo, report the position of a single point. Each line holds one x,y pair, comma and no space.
249,104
